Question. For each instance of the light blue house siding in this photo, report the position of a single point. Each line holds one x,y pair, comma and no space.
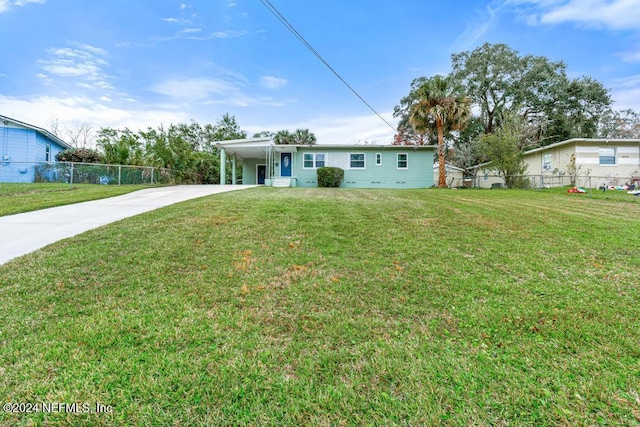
22,146
367,167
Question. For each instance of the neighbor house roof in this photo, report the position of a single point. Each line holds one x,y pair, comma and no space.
42,131
606,141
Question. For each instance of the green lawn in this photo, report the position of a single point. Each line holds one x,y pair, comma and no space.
18,198
334,307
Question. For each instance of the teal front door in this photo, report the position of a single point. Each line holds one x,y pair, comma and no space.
285,164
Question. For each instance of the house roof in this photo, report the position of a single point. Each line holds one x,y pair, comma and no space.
606,141
5,120
436,166
257,148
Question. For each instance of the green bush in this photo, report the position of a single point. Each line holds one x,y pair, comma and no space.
330,177
79,155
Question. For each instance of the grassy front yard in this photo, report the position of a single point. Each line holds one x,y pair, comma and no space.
334,307
18,198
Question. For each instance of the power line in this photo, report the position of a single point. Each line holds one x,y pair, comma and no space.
295,32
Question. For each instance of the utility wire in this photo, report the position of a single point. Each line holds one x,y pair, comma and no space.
295,32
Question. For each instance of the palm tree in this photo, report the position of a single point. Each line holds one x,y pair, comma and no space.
299,137
439,102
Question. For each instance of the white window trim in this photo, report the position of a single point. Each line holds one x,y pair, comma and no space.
378,157
615,157
364,159
549,166
315,160
398,160
48,153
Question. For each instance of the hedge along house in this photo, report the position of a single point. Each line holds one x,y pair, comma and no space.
365,166
23,147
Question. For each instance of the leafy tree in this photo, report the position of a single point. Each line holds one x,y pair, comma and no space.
440,102
298,137
407,133
623,124
227,128
264,134
120,147
504,150
500,81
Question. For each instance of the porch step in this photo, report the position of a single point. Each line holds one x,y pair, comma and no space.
281,182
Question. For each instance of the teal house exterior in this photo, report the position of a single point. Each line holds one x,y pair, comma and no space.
365,166
23,147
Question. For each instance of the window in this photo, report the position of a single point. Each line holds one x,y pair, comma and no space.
357,161
47,153
485,176
403,161
313,160
607,155
378,159
546,162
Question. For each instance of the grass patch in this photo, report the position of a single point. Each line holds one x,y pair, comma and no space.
334,307
18,198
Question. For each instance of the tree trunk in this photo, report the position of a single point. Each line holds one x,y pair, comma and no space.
442,173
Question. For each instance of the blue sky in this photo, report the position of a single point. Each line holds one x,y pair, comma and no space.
141,63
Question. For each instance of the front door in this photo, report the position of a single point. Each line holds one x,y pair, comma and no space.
262,174
285,164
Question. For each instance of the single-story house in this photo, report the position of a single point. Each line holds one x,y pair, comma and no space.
595,162
23,147
590,162
365,166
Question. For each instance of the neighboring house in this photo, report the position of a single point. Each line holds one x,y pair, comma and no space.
594,161
456,177
22,147
365,166
589,162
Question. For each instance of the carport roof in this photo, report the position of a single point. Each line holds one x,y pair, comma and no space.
255,148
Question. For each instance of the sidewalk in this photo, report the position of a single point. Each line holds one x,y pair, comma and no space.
23,233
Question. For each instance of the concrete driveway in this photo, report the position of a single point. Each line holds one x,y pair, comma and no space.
23,233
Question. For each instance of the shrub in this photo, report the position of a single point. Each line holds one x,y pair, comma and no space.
330,177
79,155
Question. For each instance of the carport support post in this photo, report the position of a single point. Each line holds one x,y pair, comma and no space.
223,171
233,169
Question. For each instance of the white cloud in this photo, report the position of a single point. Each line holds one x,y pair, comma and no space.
82,62
476,29
626,92
193,89
25,2
340,129
272,82
631,56
184,6
5,5
39,110
175,20
226,91
609,14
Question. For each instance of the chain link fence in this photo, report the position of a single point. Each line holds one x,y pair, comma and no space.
553,181
84,173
